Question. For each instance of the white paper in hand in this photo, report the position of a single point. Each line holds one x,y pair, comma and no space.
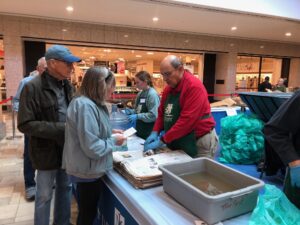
129,132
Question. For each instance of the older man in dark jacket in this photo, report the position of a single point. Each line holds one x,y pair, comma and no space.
42,115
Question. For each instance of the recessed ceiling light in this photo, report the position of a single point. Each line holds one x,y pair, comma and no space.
70,8
107,50
262,46
150,53
138,56
231,44
126,35
64,30
186,41
92,57
132,51
233,28
288,34
155,19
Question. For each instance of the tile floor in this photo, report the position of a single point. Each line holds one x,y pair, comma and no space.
14,209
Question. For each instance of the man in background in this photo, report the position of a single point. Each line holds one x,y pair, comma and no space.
28,170
42,116
265,86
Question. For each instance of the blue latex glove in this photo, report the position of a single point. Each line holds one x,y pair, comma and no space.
127,111
132,118
295,176
152,137
153,145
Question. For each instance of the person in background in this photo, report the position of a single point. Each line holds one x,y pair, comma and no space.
282,132
147,101
89,144
265,86
28,170
184,113
42,116
280,86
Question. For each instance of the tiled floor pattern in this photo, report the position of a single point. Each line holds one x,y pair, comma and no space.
14,209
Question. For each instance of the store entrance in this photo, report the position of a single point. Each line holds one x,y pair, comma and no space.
252,70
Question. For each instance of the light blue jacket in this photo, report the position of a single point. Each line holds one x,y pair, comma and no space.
88,142
16,98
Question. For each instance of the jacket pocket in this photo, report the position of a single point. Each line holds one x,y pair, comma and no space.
48,110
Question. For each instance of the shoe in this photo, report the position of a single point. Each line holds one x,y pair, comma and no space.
30,193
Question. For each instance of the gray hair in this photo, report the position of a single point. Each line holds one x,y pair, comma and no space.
175,62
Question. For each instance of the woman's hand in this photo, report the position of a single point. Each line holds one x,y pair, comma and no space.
117,131
119,139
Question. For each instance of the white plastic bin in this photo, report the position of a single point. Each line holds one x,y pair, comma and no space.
211,208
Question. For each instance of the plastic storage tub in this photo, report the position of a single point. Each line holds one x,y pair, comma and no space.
211,208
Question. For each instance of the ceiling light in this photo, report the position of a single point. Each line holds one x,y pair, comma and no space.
187,41
231,44
64,30
92,57
70,8
262,46
288,34
126,35
107,50
132,51
138,56
155,19
150,53
233,28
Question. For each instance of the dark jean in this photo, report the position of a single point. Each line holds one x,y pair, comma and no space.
89,195
28,171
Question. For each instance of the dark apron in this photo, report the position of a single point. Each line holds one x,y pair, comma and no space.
143,129
293,193
171,115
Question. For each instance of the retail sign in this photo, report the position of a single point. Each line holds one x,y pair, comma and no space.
121,67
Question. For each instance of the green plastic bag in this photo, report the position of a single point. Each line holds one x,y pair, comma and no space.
274,208
241,139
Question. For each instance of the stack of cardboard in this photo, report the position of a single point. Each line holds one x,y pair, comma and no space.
142,171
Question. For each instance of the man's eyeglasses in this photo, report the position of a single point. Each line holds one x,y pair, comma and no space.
167,74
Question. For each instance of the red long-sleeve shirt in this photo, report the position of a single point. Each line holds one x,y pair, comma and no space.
194,105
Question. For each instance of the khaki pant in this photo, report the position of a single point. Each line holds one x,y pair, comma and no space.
207,145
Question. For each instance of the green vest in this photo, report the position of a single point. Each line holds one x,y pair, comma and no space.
143,129
171,114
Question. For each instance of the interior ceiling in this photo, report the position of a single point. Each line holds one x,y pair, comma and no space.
172,17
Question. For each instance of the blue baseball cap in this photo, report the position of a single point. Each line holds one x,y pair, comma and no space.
60,52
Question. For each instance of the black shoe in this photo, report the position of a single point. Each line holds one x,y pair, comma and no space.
30,194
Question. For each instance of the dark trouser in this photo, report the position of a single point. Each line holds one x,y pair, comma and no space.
29,172
89,194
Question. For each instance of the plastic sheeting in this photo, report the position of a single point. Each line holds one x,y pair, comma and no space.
274,208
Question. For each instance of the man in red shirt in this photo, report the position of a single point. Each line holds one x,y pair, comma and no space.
184,113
